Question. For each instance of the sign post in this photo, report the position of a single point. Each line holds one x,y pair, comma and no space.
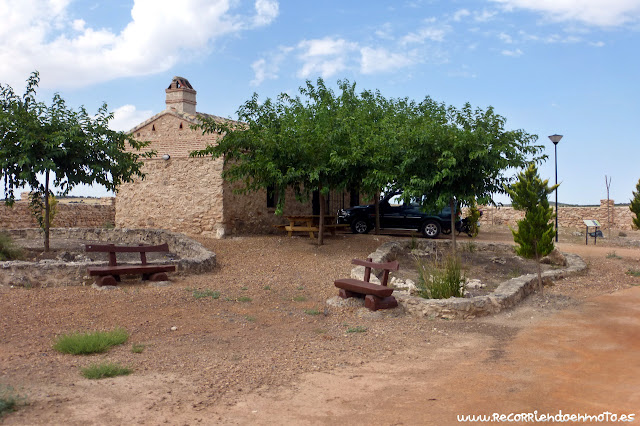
591,223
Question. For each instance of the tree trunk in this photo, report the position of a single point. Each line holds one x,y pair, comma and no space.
376,204
540,285
453,225
321,220
46,211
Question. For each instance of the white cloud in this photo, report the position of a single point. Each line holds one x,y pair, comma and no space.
381,60
127,117
429,33
505,38
512,53
460,14
40,34
607,13
325,57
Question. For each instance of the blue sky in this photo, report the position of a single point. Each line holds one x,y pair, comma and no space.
549,66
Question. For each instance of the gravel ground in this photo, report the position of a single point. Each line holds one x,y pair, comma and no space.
269,325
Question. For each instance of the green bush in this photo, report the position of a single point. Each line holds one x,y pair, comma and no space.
105,370
90,343
440,279
634,206
8,250
474,218
536,231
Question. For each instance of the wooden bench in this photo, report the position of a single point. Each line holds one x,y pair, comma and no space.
110,275
376,296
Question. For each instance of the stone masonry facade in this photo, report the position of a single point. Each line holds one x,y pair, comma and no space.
189,195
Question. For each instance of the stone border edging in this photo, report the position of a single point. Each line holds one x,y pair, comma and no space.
194,257
507,295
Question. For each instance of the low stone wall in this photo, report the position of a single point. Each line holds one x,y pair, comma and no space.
72,215
193,257
507,295
568,217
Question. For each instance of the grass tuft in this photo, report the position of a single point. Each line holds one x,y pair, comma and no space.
440,279
201,294
137,348
9,400
90,343
613,255
105,370
8,249
312,312
633,272
299,299
244,299
357,329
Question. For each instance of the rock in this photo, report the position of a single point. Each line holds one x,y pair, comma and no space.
174,328
554,258
500,260
475,284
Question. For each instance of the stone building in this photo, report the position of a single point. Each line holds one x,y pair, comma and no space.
188,195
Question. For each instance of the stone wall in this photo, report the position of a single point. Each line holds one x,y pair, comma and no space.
72,215
181,194
192,257
568,217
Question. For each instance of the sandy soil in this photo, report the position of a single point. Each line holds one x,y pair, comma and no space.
270,351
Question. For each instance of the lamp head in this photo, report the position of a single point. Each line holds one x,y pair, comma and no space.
555,139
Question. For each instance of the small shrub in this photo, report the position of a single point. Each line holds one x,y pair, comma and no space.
312,312
613,255
622,234
469,247
440,279
244,288
357,329
108,225
266,287
414,243
90,343
9,400
200,294
300,287
244,299
299,299
137,348
105,370
633,272
8,250
474,218
250,318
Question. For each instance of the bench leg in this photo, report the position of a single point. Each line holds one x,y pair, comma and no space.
374,303
106,280
345,294
158,276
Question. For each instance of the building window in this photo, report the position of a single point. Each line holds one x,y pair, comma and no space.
272,196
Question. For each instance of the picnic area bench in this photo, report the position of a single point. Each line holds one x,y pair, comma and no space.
376,296
310,224
110,275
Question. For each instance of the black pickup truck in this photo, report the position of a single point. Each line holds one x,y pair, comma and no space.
403,216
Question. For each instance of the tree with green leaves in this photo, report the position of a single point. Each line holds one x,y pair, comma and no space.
316,141
43,146
455,157
635,206
535,232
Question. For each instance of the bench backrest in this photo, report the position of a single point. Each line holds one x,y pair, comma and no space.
112,249
368,265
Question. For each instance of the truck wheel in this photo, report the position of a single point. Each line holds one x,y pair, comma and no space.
359,226
430,229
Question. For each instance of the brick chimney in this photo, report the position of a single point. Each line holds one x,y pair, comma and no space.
181,96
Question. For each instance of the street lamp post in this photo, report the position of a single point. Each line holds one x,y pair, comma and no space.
555,139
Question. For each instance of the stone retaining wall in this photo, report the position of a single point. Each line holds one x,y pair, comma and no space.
507,295
193,257
76,215
568,217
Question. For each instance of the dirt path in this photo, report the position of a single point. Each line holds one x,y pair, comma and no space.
267,352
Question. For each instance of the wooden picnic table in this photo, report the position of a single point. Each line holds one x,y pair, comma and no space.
310,224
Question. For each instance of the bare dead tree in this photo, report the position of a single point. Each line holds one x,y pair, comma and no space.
607,182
